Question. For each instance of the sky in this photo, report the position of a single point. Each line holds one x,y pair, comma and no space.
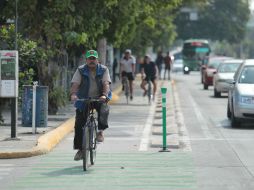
252,4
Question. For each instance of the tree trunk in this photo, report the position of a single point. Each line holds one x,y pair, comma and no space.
102,50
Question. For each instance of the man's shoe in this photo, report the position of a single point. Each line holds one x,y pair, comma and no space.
122,87
78,156
100,137
131,97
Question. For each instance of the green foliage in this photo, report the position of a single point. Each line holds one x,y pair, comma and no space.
29,53
58,98
58,26
218,20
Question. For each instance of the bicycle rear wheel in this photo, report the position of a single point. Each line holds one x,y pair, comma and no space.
85,148
149,92
93,144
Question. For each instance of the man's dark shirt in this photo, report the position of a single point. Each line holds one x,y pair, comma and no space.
150,69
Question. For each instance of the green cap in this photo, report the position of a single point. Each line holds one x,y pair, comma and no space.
92,53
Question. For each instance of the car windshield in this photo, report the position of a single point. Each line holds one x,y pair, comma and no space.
213,64
178,62
247,75
228,67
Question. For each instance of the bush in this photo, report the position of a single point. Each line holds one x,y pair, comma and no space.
57,98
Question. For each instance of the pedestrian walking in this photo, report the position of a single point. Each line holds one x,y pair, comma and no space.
168,62
159,62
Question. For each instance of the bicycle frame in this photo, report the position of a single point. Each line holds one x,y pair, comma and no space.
126,88
89,134
149,91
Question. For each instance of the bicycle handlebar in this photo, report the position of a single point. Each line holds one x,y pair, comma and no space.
90,100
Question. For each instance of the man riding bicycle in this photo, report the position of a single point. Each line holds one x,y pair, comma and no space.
149,68
91,80
127,68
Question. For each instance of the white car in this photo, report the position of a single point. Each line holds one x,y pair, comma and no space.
224,76
177,65
241,95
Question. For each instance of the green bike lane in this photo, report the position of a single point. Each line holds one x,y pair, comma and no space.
112,171
119,165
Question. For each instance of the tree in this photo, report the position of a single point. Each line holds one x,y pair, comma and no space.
72,26
30,55
218,20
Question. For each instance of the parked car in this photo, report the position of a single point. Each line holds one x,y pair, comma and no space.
241,95
224,76
177,65
210,69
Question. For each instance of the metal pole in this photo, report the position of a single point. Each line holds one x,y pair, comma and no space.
14,101
34,109
13,118
16,24
164,120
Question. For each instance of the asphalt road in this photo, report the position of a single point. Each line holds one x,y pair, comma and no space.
223,156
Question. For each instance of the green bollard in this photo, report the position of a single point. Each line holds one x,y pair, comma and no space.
164,120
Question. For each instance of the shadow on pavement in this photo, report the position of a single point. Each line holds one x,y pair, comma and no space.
76,170
244,126
130,104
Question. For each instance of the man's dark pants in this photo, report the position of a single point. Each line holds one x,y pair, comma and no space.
81,118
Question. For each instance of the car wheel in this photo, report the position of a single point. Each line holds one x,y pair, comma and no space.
205,86
228,112
216,93
234,121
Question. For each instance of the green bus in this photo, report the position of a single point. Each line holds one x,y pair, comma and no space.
195,52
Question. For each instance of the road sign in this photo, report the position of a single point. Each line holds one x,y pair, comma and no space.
8,74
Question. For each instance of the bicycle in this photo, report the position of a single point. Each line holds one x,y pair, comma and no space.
149,91
126,88
89,141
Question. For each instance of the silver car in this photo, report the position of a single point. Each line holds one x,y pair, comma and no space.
224,76
177,65
241,95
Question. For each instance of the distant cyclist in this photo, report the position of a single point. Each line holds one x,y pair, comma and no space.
127,68
90,80
149,71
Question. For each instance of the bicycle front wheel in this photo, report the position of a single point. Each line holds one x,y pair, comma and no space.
127,92
85,148
93,145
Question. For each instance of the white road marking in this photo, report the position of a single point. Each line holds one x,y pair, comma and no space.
201,119
6,165
5,169
184,139
145,141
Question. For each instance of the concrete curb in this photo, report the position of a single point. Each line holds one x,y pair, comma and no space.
45,143
48,141
115,95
